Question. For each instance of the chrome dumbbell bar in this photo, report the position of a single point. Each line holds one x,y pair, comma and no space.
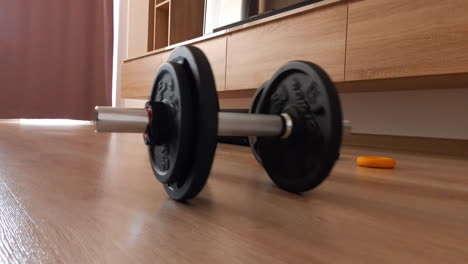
132,120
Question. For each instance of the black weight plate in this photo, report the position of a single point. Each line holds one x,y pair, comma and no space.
305,159
253,110
205,110
171,86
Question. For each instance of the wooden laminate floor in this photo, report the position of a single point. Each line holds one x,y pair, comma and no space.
68,195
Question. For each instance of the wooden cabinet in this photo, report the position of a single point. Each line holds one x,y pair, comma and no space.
399,38
215,50
318,36
364,45
138,74
174,21
160,25
187,19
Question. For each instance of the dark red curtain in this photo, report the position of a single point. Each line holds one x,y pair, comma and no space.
55,58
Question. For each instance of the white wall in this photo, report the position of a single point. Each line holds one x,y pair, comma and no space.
120,46
421,113
221,12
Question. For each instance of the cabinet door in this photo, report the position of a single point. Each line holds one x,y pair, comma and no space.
138,74
402,38
319,35
215,50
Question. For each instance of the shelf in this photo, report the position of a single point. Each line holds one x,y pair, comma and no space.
161,32
271,19
161,2
163,6
187,18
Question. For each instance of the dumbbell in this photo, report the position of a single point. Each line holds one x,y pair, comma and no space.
294,125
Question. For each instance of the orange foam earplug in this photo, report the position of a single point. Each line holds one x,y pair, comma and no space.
376,162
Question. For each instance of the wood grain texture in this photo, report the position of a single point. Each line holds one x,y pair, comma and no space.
187,20
137,32
138,74
255,54
69,195
236,99
215,50
269,19
162,26
401,38
151,22
242,99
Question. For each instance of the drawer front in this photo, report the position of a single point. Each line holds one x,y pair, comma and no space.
138,74
400,38
253,55
215,50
